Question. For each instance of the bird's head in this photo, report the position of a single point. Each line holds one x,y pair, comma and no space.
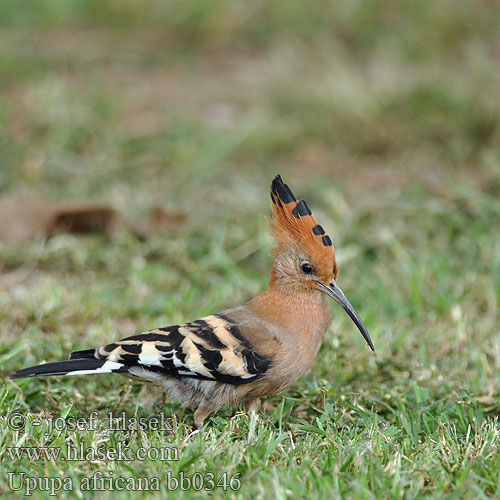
304,259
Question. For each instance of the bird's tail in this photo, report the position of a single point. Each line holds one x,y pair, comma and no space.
80,363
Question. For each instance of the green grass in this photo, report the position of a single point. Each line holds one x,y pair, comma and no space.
386,119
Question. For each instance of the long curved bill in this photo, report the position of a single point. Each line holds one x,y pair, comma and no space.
334,291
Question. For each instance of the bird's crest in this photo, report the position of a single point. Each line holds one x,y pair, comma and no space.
294,220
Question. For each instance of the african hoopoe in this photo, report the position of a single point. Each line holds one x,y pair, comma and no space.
243,353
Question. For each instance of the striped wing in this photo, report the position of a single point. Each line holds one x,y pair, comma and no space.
211,348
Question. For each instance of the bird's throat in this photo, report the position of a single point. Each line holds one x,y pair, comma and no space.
297,313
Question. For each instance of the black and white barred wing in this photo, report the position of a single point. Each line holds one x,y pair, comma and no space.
211,348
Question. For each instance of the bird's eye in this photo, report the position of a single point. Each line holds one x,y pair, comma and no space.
306,268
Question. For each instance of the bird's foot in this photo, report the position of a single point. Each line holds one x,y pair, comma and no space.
200,415
253,405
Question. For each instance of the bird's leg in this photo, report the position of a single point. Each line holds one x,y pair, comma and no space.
200,415
252,405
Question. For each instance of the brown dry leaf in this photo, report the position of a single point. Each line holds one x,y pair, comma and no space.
85,218
25,218
160,221
488,398
163,220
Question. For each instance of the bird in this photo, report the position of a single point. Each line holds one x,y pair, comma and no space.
241,354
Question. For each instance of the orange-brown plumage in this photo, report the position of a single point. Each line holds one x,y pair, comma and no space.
242,353
294,224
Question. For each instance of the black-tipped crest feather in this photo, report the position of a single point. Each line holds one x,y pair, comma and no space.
294,220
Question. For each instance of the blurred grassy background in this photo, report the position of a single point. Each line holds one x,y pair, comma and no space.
384,116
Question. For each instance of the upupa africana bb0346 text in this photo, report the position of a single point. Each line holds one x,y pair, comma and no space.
244,353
